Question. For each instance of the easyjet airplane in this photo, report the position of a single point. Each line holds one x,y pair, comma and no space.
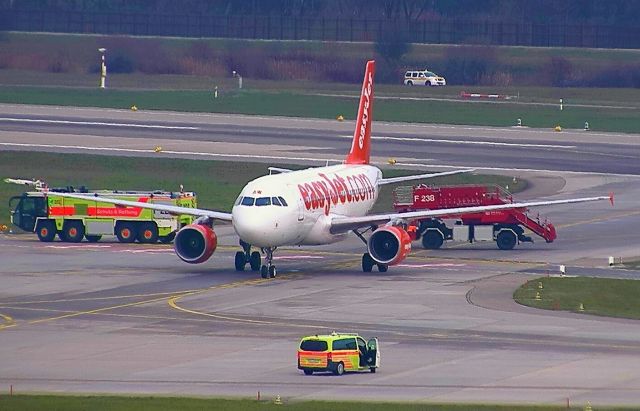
315,206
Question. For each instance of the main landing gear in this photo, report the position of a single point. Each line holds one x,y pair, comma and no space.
246,256
254,260
367,261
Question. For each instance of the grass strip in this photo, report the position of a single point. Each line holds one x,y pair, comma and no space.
589,295
319,106
217,183
122,403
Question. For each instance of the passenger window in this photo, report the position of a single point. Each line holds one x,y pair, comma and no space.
247,201
284,203
275,201
421,75
263,201
415,75
344,344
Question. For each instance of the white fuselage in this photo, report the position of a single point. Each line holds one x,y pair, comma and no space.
312,196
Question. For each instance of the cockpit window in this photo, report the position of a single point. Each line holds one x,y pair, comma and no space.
238,200
284,203
275,201
263,201
248,201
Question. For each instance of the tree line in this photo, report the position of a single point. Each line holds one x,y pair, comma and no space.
566,12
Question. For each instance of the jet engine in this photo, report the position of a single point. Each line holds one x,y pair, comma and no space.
389,245
195,243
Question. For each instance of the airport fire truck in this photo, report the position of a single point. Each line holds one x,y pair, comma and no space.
505,227
72,220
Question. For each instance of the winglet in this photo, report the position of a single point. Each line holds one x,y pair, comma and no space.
361,144
611,198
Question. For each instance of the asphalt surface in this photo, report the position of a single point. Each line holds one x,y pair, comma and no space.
210,135
117,318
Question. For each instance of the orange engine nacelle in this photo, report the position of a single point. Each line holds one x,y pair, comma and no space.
389,245
195,243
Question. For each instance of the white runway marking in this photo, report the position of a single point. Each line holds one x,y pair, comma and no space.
475,142
311,159
298,257
96,123
441,265
76,246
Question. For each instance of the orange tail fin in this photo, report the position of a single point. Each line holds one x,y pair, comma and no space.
359,153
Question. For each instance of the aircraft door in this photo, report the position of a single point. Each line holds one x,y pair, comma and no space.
374,352
300,209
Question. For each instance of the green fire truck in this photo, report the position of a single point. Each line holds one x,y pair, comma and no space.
48,215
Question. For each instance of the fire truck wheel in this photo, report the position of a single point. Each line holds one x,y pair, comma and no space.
126,232
73,231
255,261
46,231
93,238
240,261
432,240
506,240
148,233
166,239
367,263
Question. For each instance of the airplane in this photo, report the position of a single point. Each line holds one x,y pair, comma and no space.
316,206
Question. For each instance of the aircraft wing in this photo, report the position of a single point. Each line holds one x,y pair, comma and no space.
421,176
198,212
344,224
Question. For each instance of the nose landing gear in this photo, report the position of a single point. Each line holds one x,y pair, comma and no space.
268,270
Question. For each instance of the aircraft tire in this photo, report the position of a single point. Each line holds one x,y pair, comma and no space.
264,271
367,263
272,271
383,268
240,261
255,261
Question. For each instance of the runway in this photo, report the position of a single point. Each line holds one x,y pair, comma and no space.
295,140
118,318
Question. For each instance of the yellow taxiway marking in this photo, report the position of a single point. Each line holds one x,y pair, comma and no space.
8,322
97,310
114,297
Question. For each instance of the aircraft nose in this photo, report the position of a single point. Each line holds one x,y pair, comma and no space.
255,227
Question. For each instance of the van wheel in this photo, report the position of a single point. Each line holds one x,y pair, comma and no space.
46,231
409,83
73,231
126,232
308,372
93,238
339,369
